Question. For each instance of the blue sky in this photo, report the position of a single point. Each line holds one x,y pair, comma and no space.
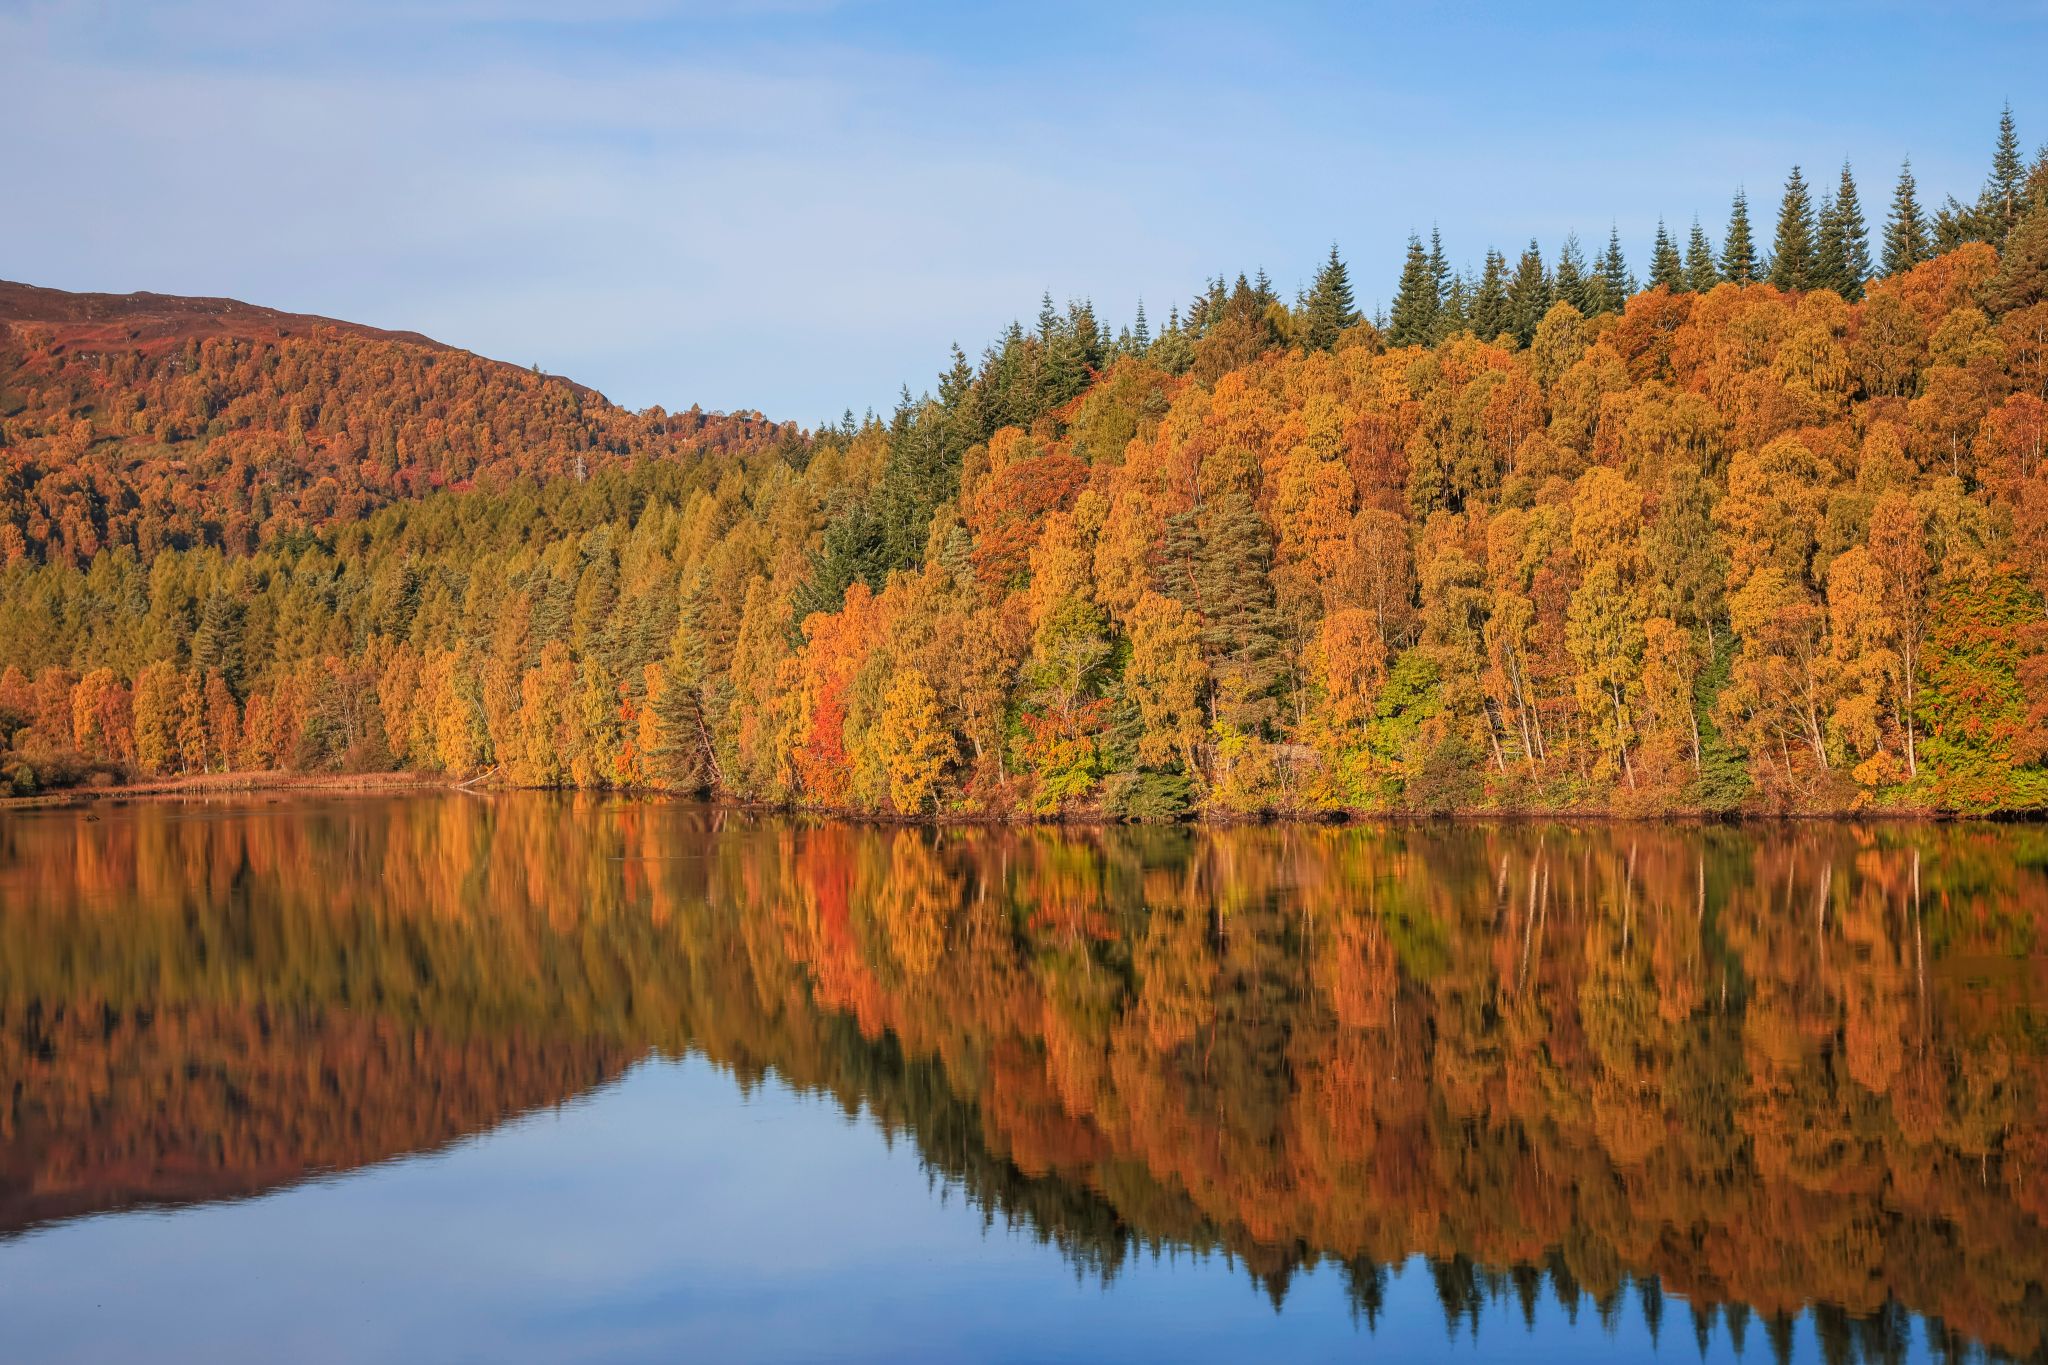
797,206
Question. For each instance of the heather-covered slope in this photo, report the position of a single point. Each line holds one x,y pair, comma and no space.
159,422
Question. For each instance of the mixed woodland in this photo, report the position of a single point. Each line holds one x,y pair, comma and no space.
1762,529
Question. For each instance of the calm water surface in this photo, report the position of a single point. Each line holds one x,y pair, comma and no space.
519,1078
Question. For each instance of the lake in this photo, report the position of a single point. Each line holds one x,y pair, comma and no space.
518,1077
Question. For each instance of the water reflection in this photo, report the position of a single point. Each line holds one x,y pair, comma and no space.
1801,1069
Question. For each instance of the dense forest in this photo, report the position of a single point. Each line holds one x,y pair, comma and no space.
1758,1069
1764,531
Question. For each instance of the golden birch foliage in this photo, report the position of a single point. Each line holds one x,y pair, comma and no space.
1868,701
1774,505
912,742
1605,636
1312,517
1671,662
1347,662
1167,679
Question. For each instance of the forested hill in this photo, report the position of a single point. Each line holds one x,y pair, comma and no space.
145,321
1770,533
161,422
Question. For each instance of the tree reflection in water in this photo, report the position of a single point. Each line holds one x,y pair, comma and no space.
1770,1069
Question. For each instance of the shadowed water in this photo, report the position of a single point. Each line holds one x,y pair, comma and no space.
449,1077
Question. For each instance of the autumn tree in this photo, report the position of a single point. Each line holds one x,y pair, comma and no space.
1168,680
912,741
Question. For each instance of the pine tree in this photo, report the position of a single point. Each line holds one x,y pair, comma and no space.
2022,278
1999,204
1568,283
1822,276
1415,301
1174,350
1439,268
1617,284
1738,249
957,383
1842,260
1667,271
1490,314
1455,314
1905,232
2005,194
1218,561
1529,294
1141,331
1792,255
217,644
1701,274
1330,307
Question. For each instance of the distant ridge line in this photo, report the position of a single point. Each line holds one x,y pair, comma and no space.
121,320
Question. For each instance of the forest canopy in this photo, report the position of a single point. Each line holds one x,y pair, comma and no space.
1764,529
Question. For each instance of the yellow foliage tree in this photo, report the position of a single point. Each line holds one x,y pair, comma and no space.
911,740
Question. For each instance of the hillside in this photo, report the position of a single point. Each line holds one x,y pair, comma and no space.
143,321
1770,534
160,422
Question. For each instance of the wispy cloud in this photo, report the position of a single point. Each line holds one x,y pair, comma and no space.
797,206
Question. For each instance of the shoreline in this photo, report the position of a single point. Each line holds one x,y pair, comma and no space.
202,785
207,785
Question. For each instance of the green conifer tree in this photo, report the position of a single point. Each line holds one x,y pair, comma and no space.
1738,248
1330,306
1905,232
217,644
958,381
1529,294
1455,314
1701,274
1490,313
1843,251
1792,254
1568,282
1667,271
1439,267
1219,561
1999,203
1415,300
1616,281
2022,278
2006,192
